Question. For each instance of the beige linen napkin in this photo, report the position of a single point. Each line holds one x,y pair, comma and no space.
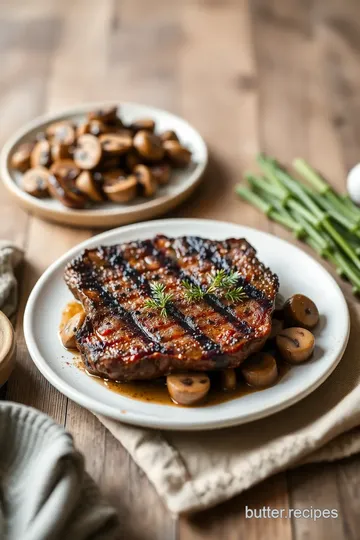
192,471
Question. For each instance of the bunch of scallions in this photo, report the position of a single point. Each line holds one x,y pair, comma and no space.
312,210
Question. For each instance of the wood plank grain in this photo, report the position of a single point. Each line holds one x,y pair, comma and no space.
230,521
314,487
134,71
223,32
226,92
348,477
25,65
45,243
339,53
338,33
283,49
298,126
287,67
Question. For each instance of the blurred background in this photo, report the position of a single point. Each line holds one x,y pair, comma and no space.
277,75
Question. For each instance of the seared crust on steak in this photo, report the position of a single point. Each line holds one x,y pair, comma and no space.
123,339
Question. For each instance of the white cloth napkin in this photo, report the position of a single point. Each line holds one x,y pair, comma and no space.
45,493
192,471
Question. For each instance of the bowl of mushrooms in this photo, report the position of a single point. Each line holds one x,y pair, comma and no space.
102,165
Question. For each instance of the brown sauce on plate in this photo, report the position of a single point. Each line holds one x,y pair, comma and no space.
155,391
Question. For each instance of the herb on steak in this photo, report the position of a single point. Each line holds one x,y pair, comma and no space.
160,298
219,281
193,292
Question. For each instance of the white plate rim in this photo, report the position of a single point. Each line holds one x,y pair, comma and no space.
67,214
144,421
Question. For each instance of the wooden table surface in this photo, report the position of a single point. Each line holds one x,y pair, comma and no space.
282,76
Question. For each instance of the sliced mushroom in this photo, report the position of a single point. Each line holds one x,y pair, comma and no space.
276,326
178,155
299,310
107,115
148,145
86,184
40,136
83,128
20,159
146,124
68,332
87,154
121,190
66,193
188,388
97,127
60,151
161,173
61,183
260,370
61,132
41,154
295,345
66,169
169,135
132,159
228,379
145,179
115,143
113,176
35,182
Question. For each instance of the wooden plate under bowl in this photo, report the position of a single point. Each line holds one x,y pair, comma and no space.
7,348
181,185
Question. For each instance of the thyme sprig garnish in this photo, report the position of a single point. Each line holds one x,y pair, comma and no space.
236,295
193,293
223,280
220,280
160,298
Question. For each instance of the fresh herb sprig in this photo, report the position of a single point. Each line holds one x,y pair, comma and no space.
160,298
220,280
193,293
236,295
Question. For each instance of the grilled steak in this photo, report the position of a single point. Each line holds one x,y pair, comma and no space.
123,339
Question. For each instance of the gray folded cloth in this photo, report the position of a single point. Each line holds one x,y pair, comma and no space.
10,256
45,494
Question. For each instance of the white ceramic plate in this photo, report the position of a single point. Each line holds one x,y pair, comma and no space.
181,185
298,273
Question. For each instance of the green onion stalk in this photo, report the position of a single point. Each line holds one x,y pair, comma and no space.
328,222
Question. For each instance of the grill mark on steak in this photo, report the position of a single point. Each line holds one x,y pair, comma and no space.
165,330
209,320
126,353
251,312
210,251
211,298
90,280
187,323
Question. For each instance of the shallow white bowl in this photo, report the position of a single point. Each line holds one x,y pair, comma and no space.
298,273
181,185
